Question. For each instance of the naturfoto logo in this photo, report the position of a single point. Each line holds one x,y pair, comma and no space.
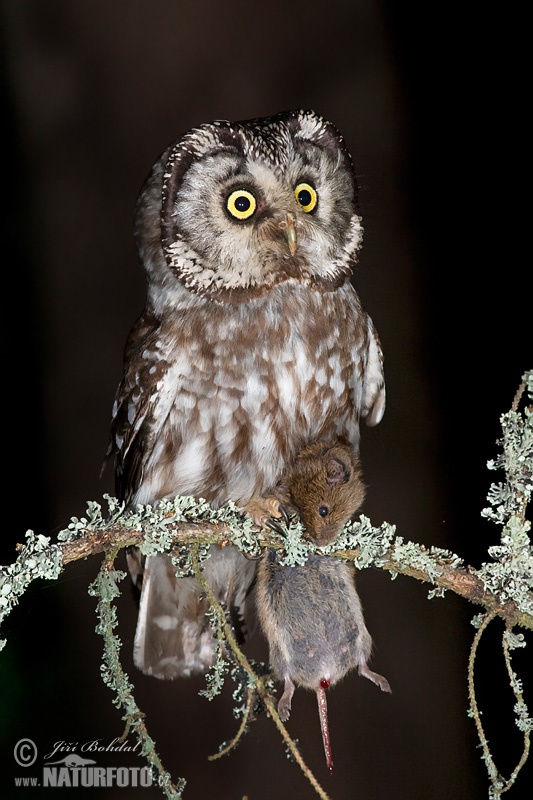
73,770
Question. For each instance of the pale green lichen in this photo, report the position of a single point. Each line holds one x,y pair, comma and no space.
246,683
105,587
477,620
438,591
510,575
38,558
214,678
94,519
370,544
513,641
409,553
295,549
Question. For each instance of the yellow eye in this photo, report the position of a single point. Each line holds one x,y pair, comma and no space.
241,204
306,196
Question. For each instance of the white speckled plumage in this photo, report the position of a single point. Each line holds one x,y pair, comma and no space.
246,351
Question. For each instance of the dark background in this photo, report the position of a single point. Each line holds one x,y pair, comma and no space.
430,105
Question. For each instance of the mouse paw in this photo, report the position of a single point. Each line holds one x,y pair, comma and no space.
375,677
285,701
284,709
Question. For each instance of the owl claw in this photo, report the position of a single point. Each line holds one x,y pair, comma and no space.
265,510
274,526
285,514
254,558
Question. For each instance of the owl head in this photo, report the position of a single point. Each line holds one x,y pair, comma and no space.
235,208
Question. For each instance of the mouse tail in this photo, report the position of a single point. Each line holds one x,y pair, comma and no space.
324,724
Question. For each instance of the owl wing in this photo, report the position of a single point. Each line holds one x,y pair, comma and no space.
164,647
373,400
133,433
138,412
173,636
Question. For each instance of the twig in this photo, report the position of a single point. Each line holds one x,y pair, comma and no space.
517,691
499,784
232,744
114,676
474,710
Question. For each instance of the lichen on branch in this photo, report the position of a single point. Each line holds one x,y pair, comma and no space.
185,527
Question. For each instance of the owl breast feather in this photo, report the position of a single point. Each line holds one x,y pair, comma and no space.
247,386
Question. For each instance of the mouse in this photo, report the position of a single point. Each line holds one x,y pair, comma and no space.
311,614
313,621
324,485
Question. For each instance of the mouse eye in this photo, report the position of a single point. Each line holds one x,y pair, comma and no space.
323,511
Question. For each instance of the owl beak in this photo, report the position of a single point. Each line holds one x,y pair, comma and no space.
289,227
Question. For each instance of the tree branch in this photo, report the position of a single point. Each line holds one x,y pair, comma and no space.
184,526
441,568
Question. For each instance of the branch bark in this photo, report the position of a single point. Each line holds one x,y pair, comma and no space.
461,580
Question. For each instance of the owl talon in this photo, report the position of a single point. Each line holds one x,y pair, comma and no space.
254,558
274,526
285,514
262,510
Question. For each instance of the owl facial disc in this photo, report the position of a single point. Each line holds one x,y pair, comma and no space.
245,206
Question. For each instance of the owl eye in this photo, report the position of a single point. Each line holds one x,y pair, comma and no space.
241,204
323,511
306,196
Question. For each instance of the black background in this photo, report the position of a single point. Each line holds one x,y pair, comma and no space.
430,102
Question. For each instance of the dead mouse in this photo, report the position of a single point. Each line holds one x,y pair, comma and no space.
312,618
324,483
311,615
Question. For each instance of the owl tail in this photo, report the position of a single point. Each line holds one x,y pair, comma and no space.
173,637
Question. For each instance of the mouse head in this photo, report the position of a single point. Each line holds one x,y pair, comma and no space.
326,486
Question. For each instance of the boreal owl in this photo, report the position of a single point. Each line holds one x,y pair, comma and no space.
253,344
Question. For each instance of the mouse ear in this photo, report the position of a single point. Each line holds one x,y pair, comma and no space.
337,471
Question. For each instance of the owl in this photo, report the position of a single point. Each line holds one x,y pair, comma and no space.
252,345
